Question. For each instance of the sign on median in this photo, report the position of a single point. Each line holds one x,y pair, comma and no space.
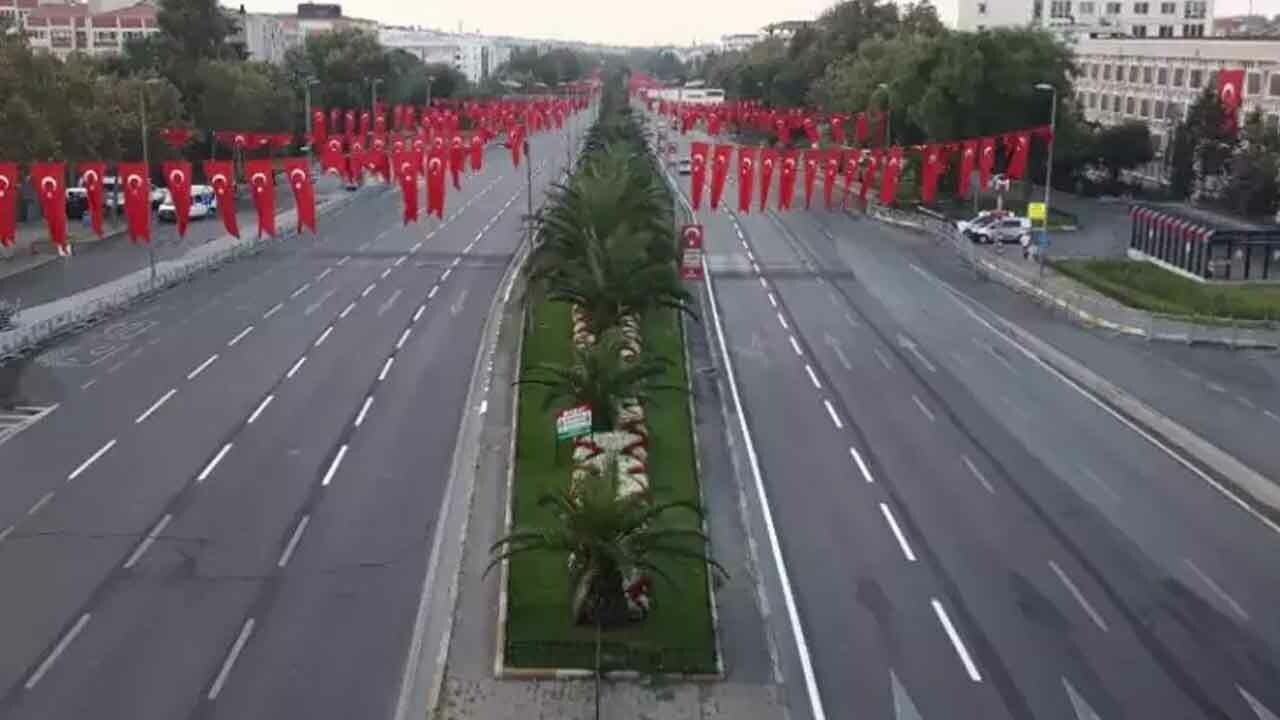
573,422
1035,211
691,252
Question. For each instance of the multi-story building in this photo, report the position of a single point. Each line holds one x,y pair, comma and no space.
13,13
263,36
95,28
1133,18
312,18
475,56
735,41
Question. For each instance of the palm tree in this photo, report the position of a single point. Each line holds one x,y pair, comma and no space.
599,378
607,538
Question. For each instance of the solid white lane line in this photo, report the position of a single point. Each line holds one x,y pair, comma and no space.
347,310
91,460
783,321
202,366
364,410
155,406
403,336
385,273
44,500
880,356
208,469
434,289
230,662
261,406
305,287
386,367
239,336
862,466
772,300
274,309
400,260
956,642
1079,596
58,649
367,290
1217,589
812,378
795,346
293,541
343,261
296,366
323,336
324,274
147,541
333,466
418,313
920,404
445,275
978,474
835,419
897,532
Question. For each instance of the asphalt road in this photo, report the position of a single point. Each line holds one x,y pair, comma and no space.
229,512
967,534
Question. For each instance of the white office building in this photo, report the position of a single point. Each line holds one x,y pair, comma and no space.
264,36
475,56
1132,18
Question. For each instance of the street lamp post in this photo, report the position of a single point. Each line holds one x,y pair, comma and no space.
430,80
373,97
306,93
888,114
1048,166
146,162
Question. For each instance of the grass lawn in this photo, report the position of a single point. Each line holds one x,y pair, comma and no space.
1149,287
678,635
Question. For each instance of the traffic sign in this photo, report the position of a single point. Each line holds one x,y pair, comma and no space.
572,422
1036,211
691,255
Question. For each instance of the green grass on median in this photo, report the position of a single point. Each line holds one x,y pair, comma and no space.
678,635
1145,286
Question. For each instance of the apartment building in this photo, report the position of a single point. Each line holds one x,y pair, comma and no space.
475,56
94,28
1133,18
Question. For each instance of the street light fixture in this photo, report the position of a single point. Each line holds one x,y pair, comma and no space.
1048,166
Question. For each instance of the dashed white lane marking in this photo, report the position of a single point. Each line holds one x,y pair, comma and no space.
1271,415
783,321
1246,402
1079,596
403,337
434,289
385,273
764,284
305,287
416,247
6,532
364,245
956,642
202,366
323,336
347,310
756,268
333,466
418,313
367,290
772,300
323,274
445,276
835,419
147,541
751,258
57,651
883,360
923,408
1216,387
296,367
812,377
364,410
239,336
293,541
1217,589
795,345
91,460
849,319
208,469
261,406
89,384
384,307
112,370
345,259
236,649
862,466
274,309
400,260
978,474
897,533
155,406
455,262
44,500
386,367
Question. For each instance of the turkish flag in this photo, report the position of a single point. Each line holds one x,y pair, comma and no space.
298,171
986,159
331,160
830,169
721,158
350,117
175,137
713,123
435,182
782,130
477,151
222,177
812,159
810,129
787,181
280,141
137,200
869,173
177,176
91,174
881,122
457,157
365,120
335,121
261,183
1019,145
46,178
9,203
852,161
375,161
1231,93
935,163
380,125
397,117
698,171
318,130
837,129
968,156
860,127
889,178
768,159
746,175
407,163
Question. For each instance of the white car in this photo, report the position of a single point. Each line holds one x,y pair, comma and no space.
203,203
684,166
1005,229
984,217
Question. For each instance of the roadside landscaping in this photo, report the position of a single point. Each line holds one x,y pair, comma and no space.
1147,287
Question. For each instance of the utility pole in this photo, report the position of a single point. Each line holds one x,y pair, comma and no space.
306,93
146,162
1048,166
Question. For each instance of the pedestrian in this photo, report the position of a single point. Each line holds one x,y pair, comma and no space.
1025,241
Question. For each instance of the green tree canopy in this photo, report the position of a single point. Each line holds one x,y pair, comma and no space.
1122,147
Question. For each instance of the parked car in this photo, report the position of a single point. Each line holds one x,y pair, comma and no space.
684,166
203,203
77,202
1007,229
984,217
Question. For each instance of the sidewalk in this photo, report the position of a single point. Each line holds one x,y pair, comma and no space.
33,249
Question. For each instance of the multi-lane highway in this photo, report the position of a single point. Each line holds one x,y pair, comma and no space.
229,512
966,532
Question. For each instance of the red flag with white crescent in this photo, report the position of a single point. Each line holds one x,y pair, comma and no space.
934,164
91,174
812,160
331,160
860,127
406,164
968,156
177,177
298,172
986,159
1019,144
830,169
810,129
787,181
768,159
47,179
1230,92
9,203
869,173
852,160
262,185
137,200
222,178
889,178
698,171
721,157
477,151
175,137
335,121
457,158
837,129
435,182
747,158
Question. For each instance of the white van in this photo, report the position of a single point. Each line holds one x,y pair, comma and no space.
203,203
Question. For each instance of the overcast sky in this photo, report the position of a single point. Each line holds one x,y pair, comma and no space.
647,22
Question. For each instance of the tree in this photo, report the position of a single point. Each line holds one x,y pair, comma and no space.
195,30
1122,147
1253,189
343,61
244,96
607,538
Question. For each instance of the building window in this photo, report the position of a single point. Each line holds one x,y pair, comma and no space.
1275,84
1115,103
1159,110
1088,8
1129,105
1194,10
1093,100
1060,9
1106,72
1133,73
60,38
1273,122
1197,78
1178,74
132,35
105,38
1253,83
1139,30
1113,8
1162,76
1093,74
1037,9
1147,73
982,8
1173,112
1144,109
1168,8
1193,30
1141,8
1166,31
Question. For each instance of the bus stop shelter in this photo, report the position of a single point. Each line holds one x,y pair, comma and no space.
1204,247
